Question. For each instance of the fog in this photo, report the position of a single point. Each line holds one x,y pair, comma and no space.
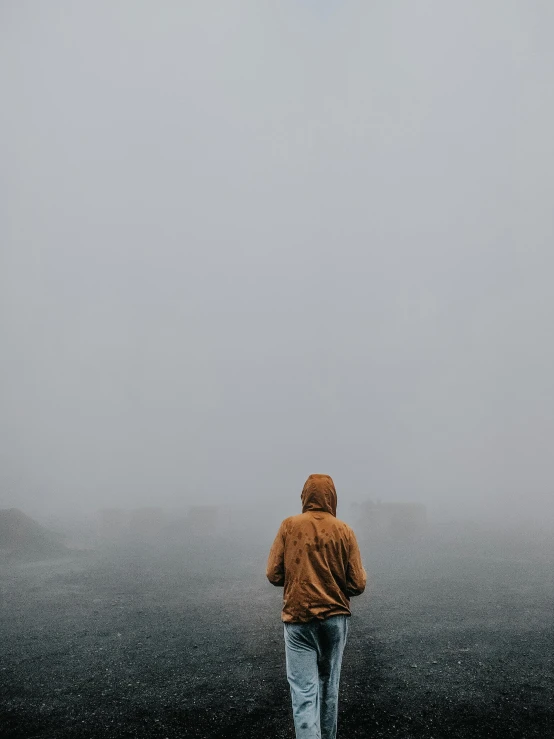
246,241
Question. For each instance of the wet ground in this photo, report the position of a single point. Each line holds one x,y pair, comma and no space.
454,638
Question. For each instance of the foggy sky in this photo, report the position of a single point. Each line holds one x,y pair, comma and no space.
244,241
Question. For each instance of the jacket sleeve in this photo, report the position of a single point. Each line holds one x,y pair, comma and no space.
355,574
275,570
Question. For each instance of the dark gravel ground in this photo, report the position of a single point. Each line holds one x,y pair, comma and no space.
453,639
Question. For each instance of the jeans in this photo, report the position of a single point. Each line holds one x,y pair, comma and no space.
314,656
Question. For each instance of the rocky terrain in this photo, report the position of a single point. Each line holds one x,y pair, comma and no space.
454,638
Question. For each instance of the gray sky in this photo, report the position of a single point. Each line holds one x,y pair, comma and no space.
244,241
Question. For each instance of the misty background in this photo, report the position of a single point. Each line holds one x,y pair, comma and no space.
246,241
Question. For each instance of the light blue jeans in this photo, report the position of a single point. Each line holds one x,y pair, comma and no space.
314,657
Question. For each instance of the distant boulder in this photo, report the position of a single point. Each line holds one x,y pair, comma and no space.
201,523
396,520
20,535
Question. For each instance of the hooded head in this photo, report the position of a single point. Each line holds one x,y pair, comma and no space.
319,494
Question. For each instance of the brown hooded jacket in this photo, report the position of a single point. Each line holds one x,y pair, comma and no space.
316,558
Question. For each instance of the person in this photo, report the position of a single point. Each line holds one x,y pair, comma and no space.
316,558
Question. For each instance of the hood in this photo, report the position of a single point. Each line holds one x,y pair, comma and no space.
319,494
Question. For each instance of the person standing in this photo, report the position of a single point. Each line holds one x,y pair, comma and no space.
316,558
